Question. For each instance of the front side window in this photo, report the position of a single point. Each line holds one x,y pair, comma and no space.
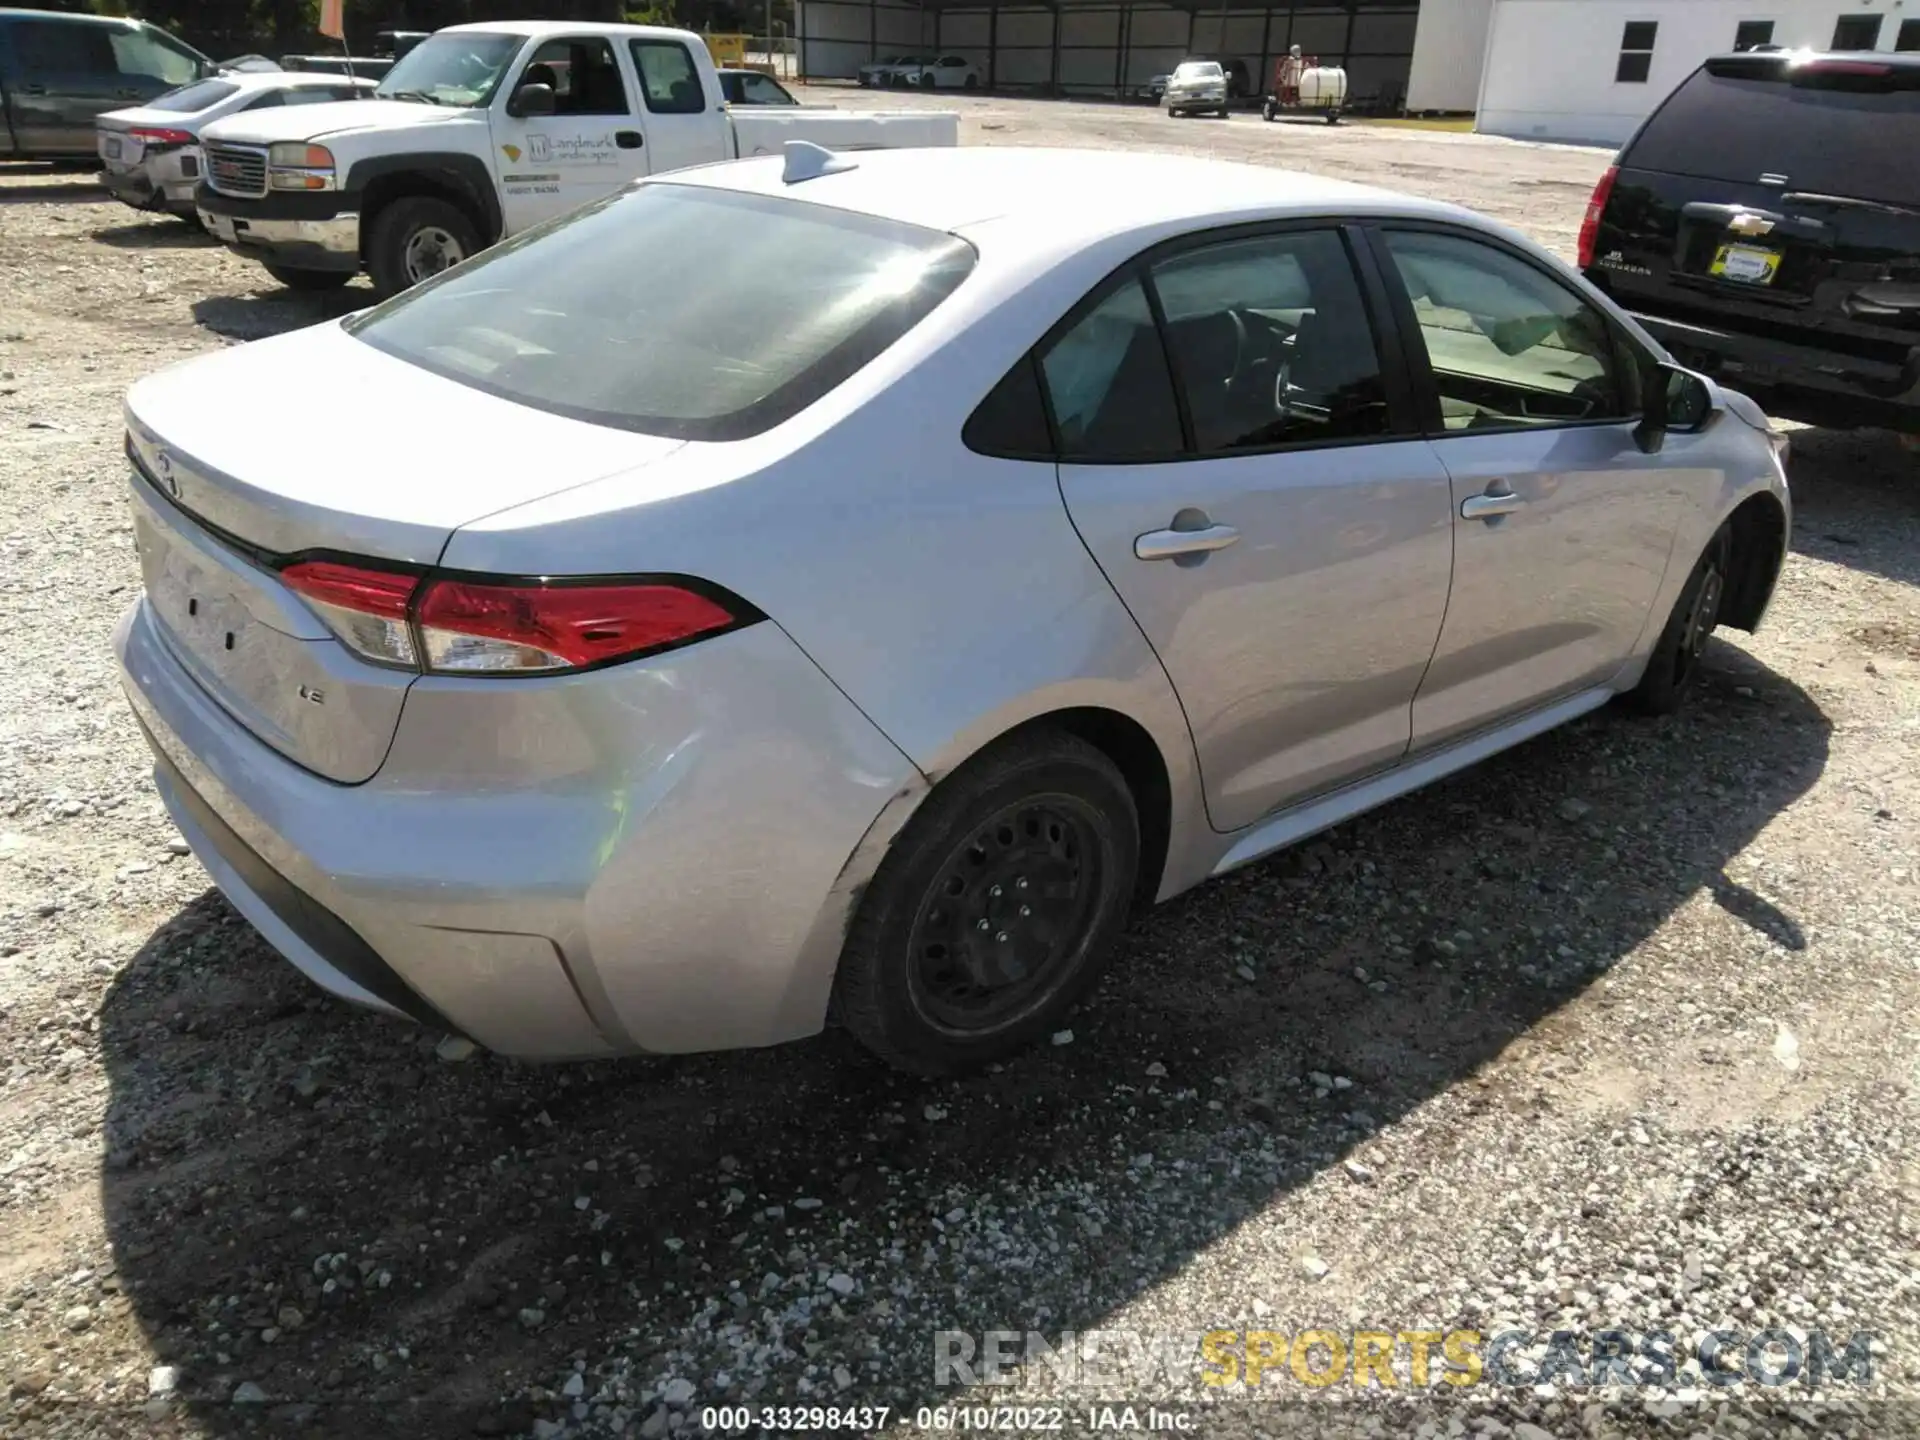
752,308
1636,52
455,67
1508,346
1108,383
1271,342
145,55
668,78
583,75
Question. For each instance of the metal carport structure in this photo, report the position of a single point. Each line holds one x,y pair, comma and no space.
1112,47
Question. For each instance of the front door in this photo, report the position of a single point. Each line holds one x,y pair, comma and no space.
1563,528
590,146
1232,461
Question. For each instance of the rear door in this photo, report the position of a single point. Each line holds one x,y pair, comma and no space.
1272,522
684,123
61,76
1772,198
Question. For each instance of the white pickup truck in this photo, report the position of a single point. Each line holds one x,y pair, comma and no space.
483,130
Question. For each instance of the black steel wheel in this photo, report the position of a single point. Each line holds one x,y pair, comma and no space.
1676,655
994,907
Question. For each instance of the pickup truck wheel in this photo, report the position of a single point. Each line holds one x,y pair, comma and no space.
926,82
416,238
297,279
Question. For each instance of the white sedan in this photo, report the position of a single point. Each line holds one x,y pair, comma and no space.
844,588
947,72
150,154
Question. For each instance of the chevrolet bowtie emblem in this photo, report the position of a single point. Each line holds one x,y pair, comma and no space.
1746,223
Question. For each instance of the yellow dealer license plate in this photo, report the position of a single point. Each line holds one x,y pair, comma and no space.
1749,264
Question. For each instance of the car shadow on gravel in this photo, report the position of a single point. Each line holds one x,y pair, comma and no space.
59,192
158,233
305,1199
1856,501
275,310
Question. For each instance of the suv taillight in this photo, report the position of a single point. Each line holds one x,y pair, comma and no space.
1596,207
447,625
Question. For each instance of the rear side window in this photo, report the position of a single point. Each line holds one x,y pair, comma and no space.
676,310
668,78
60,47
1108,382
1854,141
192,99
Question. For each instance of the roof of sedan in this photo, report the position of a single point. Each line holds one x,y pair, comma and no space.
1090,191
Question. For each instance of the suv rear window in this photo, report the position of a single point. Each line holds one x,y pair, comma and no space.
1838,127
677,310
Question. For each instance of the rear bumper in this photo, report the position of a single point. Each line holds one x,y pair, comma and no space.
1797,382
303,232
657,857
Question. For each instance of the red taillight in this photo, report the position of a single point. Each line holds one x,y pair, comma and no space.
1596,207
366,608
154,135
467,626
487,627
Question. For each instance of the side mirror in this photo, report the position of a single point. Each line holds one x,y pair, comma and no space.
1676,400
531,101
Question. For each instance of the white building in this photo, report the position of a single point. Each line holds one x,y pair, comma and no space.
1593,69
1582,70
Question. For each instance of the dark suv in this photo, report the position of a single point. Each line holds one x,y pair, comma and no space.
1764,223
60,72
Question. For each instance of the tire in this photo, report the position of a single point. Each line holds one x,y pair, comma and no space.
297,279
1267,112
410,222
926,82
1676,655
1333,117
1172,114
973,82
927,981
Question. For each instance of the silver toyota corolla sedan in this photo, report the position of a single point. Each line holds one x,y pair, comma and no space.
839,588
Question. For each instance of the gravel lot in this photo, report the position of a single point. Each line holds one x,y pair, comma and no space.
1618,1031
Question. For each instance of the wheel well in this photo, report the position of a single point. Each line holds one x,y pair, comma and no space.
1126,742
1759,527
385,189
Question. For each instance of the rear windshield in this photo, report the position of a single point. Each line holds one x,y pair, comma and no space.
1857,142
1199,70
675,309
192,99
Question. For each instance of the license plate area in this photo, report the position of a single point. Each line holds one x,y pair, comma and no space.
110,147
1745,264
220,225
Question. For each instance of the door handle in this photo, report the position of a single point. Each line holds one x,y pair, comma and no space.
1172,544
628,139
1491,505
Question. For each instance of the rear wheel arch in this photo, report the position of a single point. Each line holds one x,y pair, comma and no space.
1135,753
1759,530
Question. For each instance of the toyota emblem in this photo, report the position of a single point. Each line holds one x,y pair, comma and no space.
163,463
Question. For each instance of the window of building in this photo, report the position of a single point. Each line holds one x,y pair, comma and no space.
1908,37
1856,32
1752,34
1636,52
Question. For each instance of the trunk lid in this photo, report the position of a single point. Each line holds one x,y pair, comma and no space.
1778,200
316,442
